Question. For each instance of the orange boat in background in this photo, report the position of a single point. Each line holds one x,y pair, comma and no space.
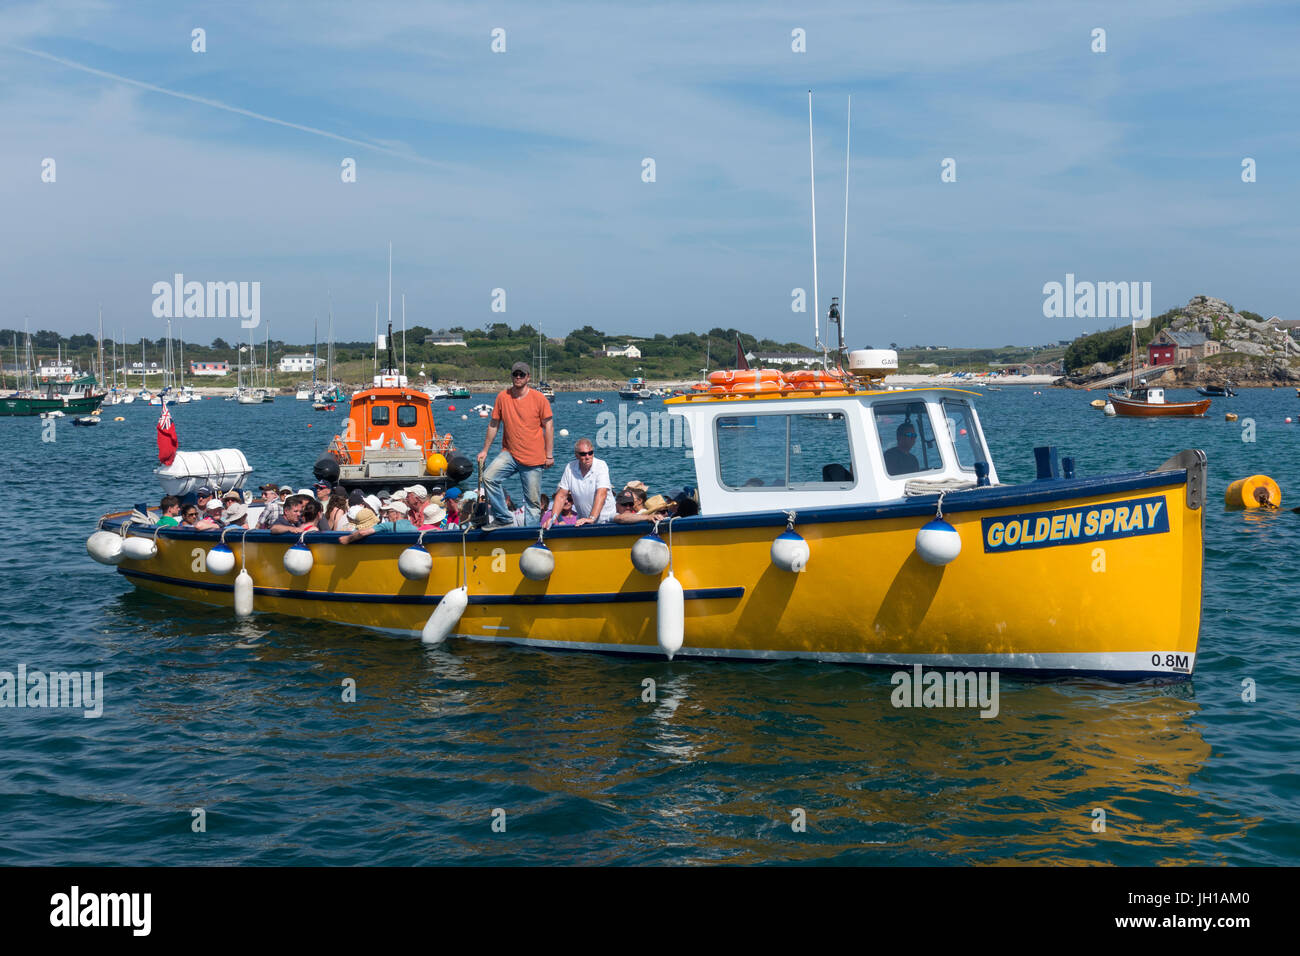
391,440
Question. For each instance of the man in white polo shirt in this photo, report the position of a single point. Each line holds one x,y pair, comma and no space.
586,481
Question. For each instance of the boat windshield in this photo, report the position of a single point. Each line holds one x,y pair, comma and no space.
906,438
808,451
965,436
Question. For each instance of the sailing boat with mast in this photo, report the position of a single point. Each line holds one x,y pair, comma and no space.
248,394
268,389
1143,401
305,394
334,390
543,386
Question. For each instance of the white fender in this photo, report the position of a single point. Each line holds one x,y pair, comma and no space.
105,547
139,548
790,552
938,543
415,563
671,619
649,554
298,559
445,616
243,593
220,560
537,562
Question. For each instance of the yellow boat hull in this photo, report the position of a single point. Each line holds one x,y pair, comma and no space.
1125,605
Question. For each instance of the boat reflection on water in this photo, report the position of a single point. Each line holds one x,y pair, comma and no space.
703,764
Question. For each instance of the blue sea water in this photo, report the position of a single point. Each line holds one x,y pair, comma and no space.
246,720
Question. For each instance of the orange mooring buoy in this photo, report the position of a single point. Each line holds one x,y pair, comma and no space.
1257,491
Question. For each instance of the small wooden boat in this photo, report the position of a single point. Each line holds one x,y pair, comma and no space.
1146,402
1216,391
1142,401
86,420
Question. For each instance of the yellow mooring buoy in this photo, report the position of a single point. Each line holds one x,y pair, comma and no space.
1230,417
1257,491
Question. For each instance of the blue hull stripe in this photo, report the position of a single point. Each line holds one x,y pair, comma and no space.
628,597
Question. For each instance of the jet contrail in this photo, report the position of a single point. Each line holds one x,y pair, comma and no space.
222,106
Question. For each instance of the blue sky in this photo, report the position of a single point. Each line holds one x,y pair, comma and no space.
522,170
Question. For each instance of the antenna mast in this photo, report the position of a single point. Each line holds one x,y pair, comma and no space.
812,181
844,279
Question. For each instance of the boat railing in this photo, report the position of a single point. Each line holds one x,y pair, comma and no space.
351,452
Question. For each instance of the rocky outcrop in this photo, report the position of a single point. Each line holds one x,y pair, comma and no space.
1219,321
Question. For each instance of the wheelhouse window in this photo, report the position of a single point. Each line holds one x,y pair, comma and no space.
965,436
906,438
379,414
405,416
808,451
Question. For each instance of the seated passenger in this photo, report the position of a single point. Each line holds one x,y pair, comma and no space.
235,516
272,507
210,518
292,520
335,517
203,498
395,518
170,506
586,482
626,510
365,520
434,517
312,513
451,501
565,515
189,517
899,460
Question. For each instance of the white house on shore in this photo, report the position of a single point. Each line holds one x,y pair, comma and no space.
627,351
299,363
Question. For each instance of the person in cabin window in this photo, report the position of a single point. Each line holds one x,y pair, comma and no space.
899,460
170,507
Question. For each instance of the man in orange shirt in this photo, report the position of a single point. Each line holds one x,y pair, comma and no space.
527,447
